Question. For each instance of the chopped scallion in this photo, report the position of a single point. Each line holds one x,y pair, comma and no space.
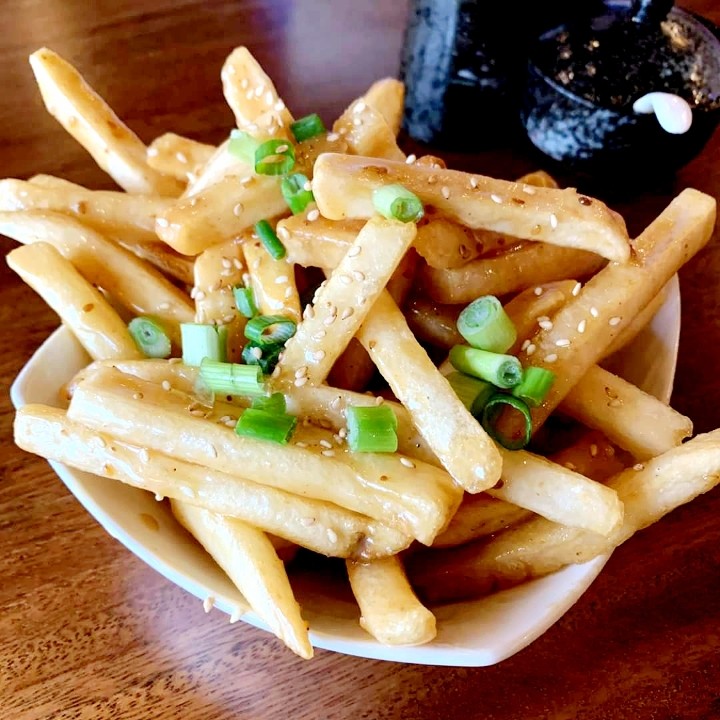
270,240
150,336
493,410
243,145
264,330
232,378
263,425
274,157
398,203
534,386
485,325
372,429
274,403
504,371
266,357
307,127
294,190
473,393
203,341
245,301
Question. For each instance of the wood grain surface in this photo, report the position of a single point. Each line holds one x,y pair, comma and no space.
88,631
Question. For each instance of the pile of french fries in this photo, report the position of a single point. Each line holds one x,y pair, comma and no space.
450,515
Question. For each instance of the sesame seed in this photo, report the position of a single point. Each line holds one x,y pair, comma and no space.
200,295
328,453
545,324
144,455
359,276
538,291
594,312
159,497
528,189
326,443
198,412
319,335
332,535
638,467
230,423
335,403
306,521
164,306
359,107
243,83
354,251
269,98
256,352
235,616
530,350
237,263
525,345
318,355
246,180
260,89
166,385
445,192
431,180
225,262
249,94
313,215
379,400
593,450
301,444
473,182
407,462
563,342
288,293
581,326
279,106
576,289
307,186
237,210
613,321
309,312
342,432
283,232
208,603
330,319
138,396
357,122
551,358
496,199
571,466
301,371
162,222
609,451
553,220
345,279
281,279
410,159
153,152
299,382
333,137
615,403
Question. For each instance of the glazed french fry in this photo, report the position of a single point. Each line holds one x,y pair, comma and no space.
80,306
417,499
252,97
459,441
178,156
389,609
136,286
320,526
123,215
528,266
343,302
592,455
539,547
367,133
387,97
343,187
321,243
86,116
221,164
165,259
445,244
217,270
434,322
272,281
250,561
583,329
629,417
219,212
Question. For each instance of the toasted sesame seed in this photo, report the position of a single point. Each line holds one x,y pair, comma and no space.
279,106
445,192
231,423
615,403
208,603
306,521
614,321
593,450
530,350
325,443
431,180
545,324
354,251
319,335
609,451
379,400
551,358
528,189
301,371
407,462
235,616
342,432
359,276
200,295
410,159
138,396
345,279
288,292
256,352
538,291
357,122
246,180
594,312
153,152
473,182
571,466
332,535
250,94
197,412
173,361
159,497
576,289
299,382
359,107
283,232
329,320
525,345
144,455
166,385
237,210
228,319
496,199
338,438
328,453
318,355
581,326
237,264
281,279
562,342
164,306
309,312
553,220
333,137
225,262
163,222
313,215
638,467
335,403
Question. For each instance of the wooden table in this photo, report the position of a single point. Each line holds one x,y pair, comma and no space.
88,631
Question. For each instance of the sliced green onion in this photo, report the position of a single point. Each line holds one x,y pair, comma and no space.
398,203
473,393
274,403
307,127
485,325
203,341
245,301
263,425
232,378
371,429
274,157
266,330
295,190
266,357
243,145
493,410
150,336
504,371
270,240
534,386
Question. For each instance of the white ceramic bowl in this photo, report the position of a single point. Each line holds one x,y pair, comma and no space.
473,633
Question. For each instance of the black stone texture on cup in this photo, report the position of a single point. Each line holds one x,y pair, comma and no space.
609,143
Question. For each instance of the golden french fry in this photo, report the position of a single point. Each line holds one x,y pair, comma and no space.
459,441
417,498
445,244
137,287
317,525
178,156
164,258
367,133
539,547
389,609
321,243
592,455
272,281
343,302
86,116
249,559
80,306
343,186
528,266
387,96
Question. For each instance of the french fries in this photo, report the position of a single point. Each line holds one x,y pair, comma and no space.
177,156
